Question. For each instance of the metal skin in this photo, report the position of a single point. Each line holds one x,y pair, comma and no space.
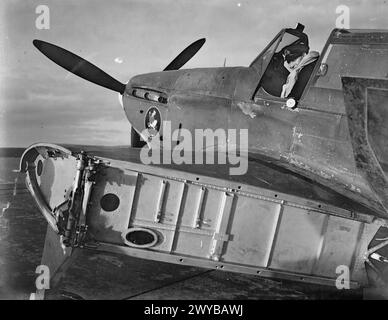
313,140
194,218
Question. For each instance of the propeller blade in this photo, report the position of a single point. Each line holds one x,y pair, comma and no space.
79,66
185,55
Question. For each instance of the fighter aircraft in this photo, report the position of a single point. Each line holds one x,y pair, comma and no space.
316,192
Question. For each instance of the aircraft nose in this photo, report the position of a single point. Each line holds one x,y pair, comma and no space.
146,91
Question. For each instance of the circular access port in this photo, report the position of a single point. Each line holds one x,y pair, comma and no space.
110,202
140,237
39,168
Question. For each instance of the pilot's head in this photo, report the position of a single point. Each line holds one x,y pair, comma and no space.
294,54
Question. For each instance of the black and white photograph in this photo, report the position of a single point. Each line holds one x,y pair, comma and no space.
197,152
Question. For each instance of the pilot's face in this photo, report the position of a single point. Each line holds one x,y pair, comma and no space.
293,64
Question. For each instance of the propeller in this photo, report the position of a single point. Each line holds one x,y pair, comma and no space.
185,55
79,66
88,71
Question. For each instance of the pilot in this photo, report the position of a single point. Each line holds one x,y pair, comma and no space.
277,74
300,64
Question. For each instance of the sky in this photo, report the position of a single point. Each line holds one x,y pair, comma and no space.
41,102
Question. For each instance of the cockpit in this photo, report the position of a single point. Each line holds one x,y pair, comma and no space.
281,75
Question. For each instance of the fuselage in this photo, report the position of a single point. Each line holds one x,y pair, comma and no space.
312,140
